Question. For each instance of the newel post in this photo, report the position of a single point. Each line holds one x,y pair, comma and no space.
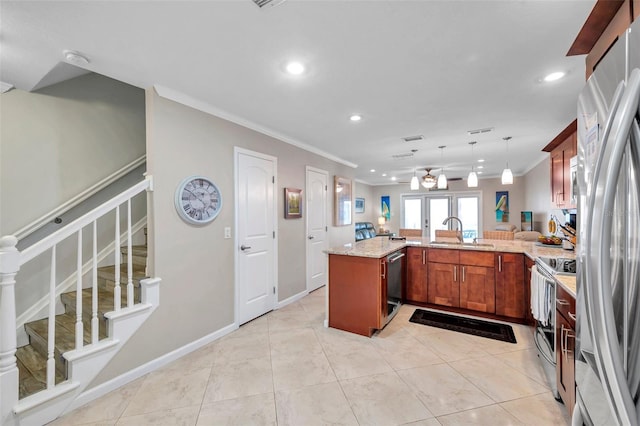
9,266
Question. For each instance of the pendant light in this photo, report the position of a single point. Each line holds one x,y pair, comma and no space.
507,176
428,180
472,180
442,179
414,182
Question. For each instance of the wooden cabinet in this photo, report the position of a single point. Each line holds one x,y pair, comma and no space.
416,285
442,282
511,293
477,281
461,278
357,293
561,149
565,347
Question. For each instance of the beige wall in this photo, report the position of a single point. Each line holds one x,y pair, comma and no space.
538,194
59,141
196,264
371,209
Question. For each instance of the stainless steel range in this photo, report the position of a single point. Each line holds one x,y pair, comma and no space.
543,308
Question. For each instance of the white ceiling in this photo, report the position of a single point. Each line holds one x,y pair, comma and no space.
432,68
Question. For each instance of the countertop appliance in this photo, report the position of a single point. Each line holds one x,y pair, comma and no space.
607,358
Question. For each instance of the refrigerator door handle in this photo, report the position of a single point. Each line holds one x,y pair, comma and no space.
608,354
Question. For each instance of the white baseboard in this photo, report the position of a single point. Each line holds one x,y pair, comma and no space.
117,382
292,299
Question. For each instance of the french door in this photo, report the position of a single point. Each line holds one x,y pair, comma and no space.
427,212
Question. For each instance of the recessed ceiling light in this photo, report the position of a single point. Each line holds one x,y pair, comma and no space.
554,76
384,175
75,57
372,170
481,160
393,178
295,68
481,167
480,173
355,117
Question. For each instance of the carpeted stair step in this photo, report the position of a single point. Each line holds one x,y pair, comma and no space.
138,255
107,276
32,370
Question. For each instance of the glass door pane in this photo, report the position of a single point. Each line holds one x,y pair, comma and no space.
438,209
412,218
468,212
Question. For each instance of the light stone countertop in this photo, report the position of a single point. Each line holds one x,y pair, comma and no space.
379,247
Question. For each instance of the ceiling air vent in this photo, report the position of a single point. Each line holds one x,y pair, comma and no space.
401,156
479,131
262,3
413,138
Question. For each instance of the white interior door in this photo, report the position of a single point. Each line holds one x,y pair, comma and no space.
256,230
316,194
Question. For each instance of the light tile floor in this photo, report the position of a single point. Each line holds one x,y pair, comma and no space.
285,368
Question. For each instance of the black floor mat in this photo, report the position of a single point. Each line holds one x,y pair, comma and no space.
473,326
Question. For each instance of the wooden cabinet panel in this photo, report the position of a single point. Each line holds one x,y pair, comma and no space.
565,361
560,172
416,286
477,288
355,295
443,288
510,288
444,256
477,258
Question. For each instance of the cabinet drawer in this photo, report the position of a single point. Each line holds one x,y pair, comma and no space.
444,256
477,258
566,304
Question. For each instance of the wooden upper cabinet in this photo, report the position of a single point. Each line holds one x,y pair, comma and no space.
562,148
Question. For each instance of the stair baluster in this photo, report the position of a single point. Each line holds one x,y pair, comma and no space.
51,342
79,325
116,253
94,293
130,295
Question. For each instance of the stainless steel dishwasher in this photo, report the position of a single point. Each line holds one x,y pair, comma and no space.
395,270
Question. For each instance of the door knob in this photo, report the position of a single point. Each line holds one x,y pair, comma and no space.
311,237
243,247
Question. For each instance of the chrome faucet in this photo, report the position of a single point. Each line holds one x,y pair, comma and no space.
459,223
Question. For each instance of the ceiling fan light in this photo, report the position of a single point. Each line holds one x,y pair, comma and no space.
507,176
442,181
428,181
414,183
472,180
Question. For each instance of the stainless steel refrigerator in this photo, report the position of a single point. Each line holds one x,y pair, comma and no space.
607,358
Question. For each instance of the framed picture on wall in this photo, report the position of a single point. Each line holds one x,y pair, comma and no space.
359,205
292,203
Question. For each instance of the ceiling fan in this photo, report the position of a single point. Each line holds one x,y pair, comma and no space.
429,181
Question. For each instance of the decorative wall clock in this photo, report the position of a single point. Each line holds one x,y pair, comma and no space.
198,200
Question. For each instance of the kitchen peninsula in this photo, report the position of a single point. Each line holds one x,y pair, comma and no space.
489,278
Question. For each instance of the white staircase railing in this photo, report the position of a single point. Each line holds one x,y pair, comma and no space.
10,262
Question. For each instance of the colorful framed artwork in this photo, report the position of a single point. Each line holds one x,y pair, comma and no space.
502,206
385,206
292,203
359,205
